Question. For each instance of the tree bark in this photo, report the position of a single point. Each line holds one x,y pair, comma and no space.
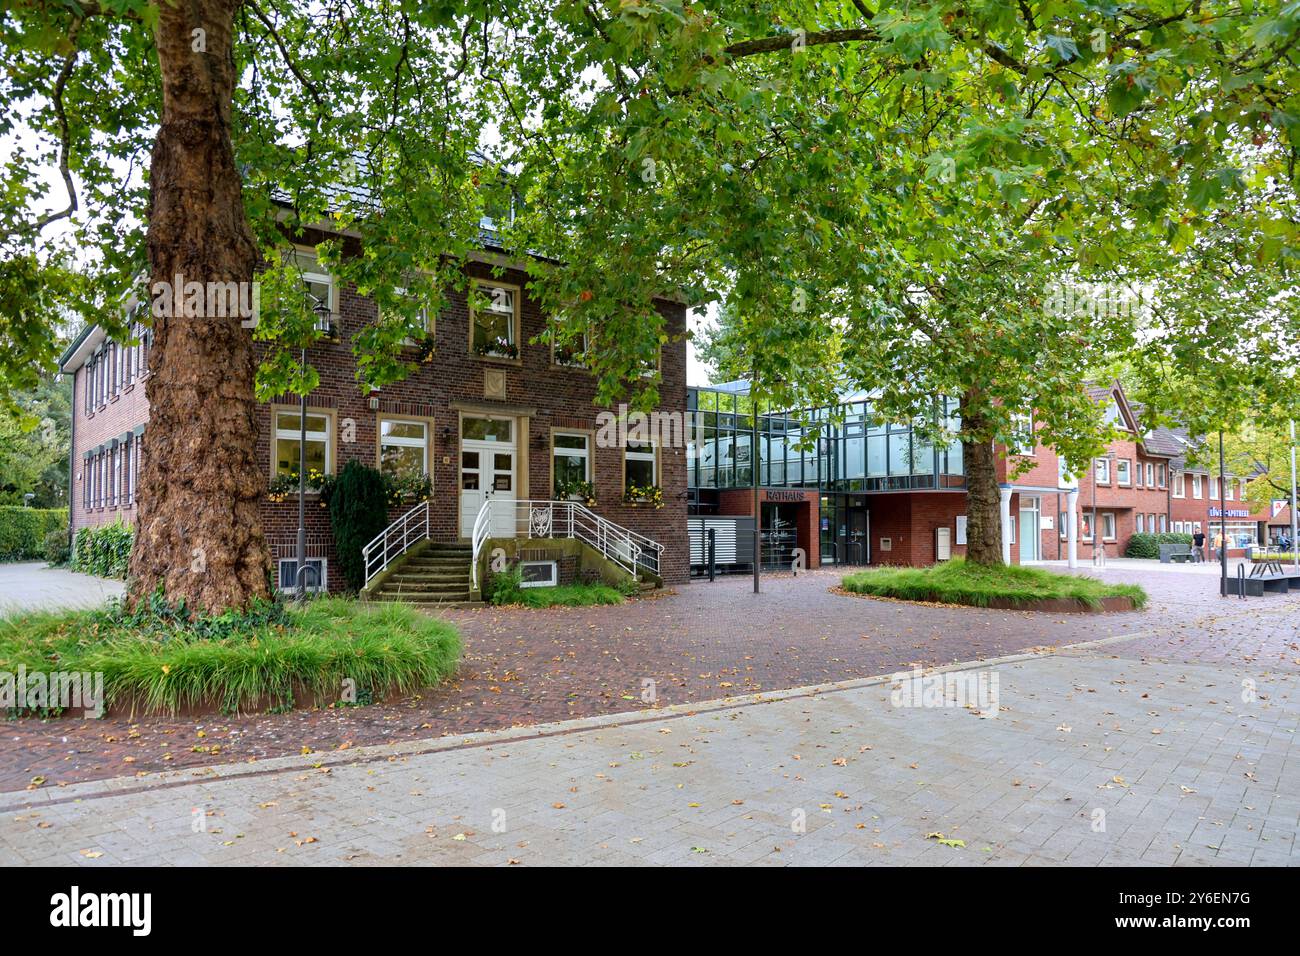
983,498
198,533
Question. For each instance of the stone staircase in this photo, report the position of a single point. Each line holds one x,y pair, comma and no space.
430,573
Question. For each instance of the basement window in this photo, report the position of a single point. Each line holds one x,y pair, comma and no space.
314,577
539,574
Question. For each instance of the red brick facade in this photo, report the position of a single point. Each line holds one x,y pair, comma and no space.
534,393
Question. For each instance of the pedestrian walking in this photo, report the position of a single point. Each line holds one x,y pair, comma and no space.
1198,546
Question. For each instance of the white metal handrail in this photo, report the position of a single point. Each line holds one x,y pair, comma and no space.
395,540
543,518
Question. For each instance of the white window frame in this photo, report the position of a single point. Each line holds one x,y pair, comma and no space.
554,579
426,443
293,434
1108,518
1151,474
1123,467
427,319
323,585
1180,485
486,289
1023,428
1101,471
1196,487
584,453
652,456
1139,524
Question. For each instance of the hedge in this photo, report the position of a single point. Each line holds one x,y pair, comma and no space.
23,530
104,551
1147,545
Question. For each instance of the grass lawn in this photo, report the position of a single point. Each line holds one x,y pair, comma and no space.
158,663
956,582
564,595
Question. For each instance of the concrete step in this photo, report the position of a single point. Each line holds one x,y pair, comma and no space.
423,597
437,565
431,574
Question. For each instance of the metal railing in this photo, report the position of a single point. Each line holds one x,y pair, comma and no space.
394,541
542,518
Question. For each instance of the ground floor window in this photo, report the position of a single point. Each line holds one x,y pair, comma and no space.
1141,522
638,468
403,447
1164,523
570,464
1085,526
314,577
1108,526
320,443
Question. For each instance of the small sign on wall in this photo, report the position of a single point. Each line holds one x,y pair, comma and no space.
886,544
1047,522
961,529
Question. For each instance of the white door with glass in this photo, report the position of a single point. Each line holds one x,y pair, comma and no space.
1028,530
487,473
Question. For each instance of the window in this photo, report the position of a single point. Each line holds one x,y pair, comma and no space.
1229,488
638,467
1123,471
1085,526
404,447
1180,486
570,463
314,576
424,315
1108,526
538,574
1139,523
320,441
1023,429
1160,475
494,320
1138,475
1103,471
1062,527
320,299
1196,486
1151,474
571,354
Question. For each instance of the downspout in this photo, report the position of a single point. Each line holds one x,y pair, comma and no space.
72,457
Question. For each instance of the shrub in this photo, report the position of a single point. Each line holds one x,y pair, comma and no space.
958,582
501,586
104,551
57,550
1147,545
23,531
155,659
358,506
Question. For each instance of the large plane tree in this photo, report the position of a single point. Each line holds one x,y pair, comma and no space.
725,150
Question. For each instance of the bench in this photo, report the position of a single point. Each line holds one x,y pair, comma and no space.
1180,557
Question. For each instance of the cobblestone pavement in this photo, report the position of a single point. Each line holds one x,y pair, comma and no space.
1095,756
33,585
704,641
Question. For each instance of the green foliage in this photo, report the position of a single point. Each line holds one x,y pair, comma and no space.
23,531
104,551
57,549
34,439
1147,545
358,507
562,595
152,659
503,584
958,582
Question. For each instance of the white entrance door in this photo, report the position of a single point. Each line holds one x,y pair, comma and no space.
487,473
1028,530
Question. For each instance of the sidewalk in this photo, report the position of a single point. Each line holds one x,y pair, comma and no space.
1092,759
32,585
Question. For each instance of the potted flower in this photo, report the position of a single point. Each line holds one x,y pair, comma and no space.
651,495
498,347
568,489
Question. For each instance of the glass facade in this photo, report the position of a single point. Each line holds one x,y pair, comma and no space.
845,452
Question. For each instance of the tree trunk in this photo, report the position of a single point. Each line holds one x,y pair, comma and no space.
983,498
198,534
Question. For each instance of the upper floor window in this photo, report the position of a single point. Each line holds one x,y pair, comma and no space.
1123,471
1103,471
1151,474
1160,475
1022,442
1214,487
494,319
1180,486
1196,486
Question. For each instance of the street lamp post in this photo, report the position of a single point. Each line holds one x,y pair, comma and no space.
1097,540
1295,546
1223,523
322,311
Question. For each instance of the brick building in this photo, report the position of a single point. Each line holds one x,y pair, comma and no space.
487,414
878,494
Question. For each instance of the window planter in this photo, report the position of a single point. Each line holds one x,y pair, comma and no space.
651,495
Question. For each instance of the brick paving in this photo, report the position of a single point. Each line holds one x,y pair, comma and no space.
701,642
1092,759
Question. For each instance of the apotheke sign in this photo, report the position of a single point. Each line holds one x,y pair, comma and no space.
1230,513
